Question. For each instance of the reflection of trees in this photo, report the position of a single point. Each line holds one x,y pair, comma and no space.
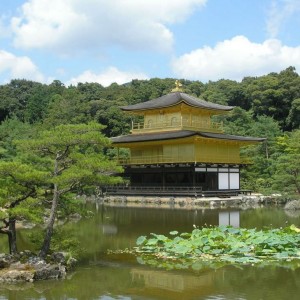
260,282
3,244
260,217
86,283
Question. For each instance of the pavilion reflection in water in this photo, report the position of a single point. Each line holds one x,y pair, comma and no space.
169,283
229,218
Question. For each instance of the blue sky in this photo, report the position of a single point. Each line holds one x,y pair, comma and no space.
120,40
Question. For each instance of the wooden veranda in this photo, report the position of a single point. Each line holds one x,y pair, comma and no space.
171,191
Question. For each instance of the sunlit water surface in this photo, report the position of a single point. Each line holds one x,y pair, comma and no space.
107,277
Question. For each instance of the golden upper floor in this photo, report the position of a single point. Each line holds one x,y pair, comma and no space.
176,111
178,128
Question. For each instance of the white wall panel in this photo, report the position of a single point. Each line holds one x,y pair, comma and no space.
234,181
223,181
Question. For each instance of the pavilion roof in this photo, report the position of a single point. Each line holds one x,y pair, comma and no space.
134,138
173,99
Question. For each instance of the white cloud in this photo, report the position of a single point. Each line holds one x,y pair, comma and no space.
107,77
279,13
235,59
71,25
19,67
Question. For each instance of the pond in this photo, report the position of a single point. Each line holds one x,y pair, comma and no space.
107,277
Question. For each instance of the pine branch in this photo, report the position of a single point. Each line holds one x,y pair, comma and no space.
30,193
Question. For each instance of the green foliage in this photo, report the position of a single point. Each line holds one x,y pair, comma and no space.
110,115
19,189
225,92
78,152
20,196
219,245
62,160
287,170
66,108
293,119
64,240
69,205
11,130
259,175
273,94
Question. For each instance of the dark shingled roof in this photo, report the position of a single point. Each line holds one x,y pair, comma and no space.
174,99
132,138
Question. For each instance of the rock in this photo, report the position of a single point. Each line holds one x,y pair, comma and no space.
18,266
71,263
7,275
292,205
50,272
75,217
23,256
36,261
213,204
63,258
59,257
5,260
28,267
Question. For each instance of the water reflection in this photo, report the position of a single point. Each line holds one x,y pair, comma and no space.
293,213
174,282
102,276
225,283
231,218
119,227
109,229
132,281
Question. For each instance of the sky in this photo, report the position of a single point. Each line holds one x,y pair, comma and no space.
108,41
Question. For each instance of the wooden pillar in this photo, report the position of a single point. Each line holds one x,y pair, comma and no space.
194,176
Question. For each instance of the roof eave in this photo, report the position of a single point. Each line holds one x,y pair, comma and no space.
125,108
186,134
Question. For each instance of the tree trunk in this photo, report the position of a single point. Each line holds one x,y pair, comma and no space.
49,229
12,236
10,230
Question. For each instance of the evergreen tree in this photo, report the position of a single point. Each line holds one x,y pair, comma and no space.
19,197
287,173
74,154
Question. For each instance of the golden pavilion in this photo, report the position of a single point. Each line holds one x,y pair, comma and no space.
178,149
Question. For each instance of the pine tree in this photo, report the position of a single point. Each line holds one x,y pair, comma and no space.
75,154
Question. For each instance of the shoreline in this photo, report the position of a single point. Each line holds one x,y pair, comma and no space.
241,201
26,266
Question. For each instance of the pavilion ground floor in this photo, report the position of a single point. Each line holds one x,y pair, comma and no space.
180,180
